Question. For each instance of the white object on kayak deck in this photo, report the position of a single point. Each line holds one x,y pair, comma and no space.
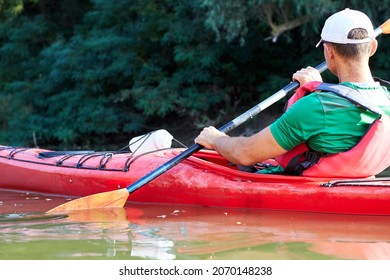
155,140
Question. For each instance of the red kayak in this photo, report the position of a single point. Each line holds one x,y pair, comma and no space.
204,179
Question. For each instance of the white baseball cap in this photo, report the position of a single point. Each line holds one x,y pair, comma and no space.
337,27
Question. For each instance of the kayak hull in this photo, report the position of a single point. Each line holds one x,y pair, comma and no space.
204,179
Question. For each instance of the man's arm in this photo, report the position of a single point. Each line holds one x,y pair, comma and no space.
241,150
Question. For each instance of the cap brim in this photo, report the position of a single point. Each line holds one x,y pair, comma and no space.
319,43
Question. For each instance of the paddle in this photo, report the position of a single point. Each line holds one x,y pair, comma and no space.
118,198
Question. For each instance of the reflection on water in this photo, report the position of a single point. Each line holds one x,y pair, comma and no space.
183,232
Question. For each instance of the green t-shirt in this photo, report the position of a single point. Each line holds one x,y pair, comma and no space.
327,122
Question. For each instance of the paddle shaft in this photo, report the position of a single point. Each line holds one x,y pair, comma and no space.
384,28
225,128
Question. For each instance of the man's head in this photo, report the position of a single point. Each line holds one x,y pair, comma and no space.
350,32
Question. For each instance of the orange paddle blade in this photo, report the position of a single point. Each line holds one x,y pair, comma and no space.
101,215
112,199
386,27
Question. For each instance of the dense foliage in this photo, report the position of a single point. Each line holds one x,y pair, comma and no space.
78,73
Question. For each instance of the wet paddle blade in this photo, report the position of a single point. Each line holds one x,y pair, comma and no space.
112,199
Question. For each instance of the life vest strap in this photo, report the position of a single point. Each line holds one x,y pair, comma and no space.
382,82
350,94
296,166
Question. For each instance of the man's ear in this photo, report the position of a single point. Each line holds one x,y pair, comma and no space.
374,46
328,48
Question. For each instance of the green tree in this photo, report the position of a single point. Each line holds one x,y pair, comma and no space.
93,73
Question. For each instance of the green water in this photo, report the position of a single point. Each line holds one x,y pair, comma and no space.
157,232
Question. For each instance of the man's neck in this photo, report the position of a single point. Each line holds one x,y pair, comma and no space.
354,72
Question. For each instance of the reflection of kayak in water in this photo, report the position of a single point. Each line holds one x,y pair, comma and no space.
170,232
249,234
203,179
145,231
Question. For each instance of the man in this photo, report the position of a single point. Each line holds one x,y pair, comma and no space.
328,125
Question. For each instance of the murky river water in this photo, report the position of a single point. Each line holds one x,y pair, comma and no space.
160,232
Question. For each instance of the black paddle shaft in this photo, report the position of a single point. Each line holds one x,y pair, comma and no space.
227,127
